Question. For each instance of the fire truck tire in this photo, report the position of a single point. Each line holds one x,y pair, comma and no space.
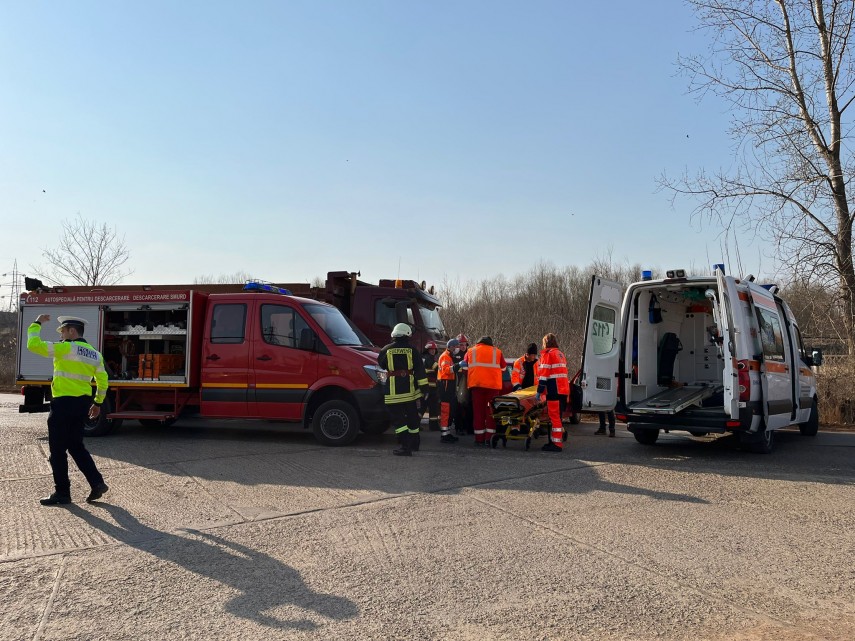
335,423
812,426
646,437
102,426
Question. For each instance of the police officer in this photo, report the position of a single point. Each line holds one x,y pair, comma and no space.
405,384
75,364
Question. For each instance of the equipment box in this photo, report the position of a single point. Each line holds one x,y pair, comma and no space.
146,342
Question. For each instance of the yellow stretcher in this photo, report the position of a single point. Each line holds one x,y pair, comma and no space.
517,416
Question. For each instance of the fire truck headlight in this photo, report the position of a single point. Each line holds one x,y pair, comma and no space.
376,374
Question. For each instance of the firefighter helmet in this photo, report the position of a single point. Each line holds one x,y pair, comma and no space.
430,345
461,338
401,329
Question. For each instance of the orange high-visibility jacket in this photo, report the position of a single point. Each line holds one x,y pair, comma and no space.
519,372
553,378
446,363
484,366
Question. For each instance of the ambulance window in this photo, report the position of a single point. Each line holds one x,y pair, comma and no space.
603,329
770,334
228,323
797,335
281,325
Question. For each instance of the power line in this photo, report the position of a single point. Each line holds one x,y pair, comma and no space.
15,285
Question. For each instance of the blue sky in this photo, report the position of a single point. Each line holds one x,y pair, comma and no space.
285,139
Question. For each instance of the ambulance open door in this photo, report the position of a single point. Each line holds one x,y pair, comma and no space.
601,350
725,304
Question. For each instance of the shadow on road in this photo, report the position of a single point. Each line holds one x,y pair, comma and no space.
263,583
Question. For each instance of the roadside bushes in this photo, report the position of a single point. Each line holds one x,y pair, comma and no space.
521,310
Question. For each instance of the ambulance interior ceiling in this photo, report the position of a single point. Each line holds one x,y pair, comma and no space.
684,311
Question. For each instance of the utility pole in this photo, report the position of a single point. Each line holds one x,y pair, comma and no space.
15,285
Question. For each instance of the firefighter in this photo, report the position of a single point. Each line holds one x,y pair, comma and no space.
447,391
463,411
484,364
406,382
75,364
432,403
525,369
555,384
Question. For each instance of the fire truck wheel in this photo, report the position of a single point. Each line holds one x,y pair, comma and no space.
102,426
646,437
812,426
335,423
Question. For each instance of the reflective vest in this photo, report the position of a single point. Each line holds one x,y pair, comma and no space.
519,371
446,365
552,376
406,372
484,367
75,364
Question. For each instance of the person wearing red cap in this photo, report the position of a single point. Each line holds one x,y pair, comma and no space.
484,366
554,382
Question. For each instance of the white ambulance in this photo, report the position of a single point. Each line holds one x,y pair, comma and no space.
710,354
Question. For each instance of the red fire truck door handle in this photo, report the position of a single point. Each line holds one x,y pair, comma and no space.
264,358
213,357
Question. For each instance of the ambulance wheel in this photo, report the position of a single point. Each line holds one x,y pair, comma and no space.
646,437
335,423
102,425
760,443
812,426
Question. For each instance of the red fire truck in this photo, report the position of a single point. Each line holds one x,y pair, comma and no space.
258,353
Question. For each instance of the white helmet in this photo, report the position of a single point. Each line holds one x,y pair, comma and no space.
401,329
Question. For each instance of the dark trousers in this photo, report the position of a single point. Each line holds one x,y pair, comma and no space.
611,416
404,417
65,434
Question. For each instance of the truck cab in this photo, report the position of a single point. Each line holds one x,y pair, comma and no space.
376,309
705,355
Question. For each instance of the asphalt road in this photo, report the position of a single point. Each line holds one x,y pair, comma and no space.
234,530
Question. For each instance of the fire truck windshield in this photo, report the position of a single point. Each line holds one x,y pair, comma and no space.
337,326
431,319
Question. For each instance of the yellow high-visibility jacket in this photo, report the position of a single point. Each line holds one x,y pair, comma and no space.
75,364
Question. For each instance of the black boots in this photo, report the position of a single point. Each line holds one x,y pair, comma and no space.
97,492
551,447
403,448
415,442
602,430
448,437
56,499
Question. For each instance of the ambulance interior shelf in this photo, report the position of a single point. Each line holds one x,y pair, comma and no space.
145,344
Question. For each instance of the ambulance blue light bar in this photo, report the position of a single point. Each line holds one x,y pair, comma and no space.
259,286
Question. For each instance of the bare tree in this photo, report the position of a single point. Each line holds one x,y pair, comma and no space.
88,254
787,69
223,279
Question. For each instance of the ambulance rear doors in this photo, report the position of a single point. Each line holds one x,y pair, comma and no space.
601,351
